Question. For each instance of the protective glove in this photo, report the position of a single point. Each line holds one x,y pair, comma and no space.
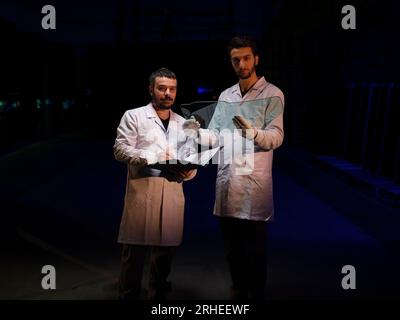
246,129
191,127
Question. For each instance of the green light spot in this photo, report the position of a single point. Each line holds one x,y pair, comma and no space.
38,103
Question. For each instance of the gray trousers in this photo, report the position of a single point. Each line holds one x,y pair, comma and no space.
132,264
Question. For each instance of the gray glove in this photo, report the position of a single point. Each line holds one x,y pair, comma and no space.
191,127
246,129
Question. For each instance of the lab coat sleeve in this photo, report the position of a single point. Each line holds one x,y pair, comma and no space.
125,144
272,136
210,136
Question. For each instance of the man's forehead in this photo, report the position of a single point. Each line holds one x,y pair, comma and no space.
165,81
241,52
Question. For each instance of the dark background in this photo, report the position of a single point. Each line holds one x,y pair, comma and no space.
63,92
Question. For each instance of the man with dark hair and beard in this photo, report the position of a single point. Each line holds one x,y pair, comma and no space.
244,201
152,219
243,220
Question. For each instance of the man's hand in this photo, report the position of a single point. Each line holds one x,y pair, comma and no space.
186,173
191,127
246,129
178,174
138,162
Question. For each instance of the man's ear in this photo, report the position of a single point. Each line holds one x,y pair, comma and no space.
151,90
256,59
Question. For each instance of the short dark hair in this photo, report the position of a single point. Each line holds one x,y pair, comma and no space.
242,42
161,73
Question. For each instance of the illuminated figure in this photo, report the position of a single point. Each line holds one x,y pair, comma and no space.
152,219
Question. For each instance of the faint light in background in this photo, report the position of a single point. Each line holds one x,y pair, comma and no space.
66,104
204,90
6,106
16,104
38,103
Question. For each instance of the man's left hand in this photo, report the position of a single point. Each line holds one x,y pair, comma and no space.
178,174
246,129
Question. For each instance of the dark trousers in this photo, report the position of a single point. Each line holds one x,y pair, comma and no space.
132,264
246,250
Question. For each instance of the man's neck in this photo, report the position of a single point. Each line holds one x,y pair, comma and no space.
246,84
163,114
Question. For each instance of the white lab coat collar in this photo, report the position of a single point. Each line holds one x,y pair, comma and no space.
151,113
259,86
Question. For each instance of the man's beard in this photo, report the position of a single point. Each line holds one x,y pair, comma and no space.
248,74
161,104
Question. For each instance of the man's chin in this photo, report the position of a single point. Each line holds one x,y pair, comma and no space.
244,76
165,106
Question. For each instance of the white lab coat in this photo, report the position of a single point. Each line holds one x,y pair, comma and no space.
249,196
154,206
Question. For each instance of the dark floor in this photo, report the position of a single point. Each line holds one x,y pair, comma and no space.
61,203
